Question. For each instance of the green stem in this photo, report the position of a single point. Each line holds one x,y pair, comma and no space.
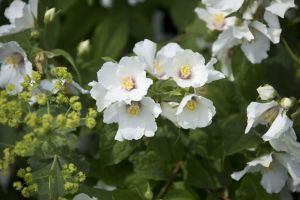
290,51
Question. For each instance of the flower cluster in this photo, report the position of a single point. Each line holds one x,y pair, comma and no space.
281,167
122,87
29,187
241,24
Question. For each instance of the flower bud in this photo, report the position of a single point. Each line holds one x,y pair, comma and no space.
286,103
49,15
83,47
266,92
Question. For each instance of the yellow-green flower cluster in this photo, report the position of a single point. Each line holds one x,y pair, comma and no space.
7,160
90,121
27,146
29,187
62,74
72,177
10,110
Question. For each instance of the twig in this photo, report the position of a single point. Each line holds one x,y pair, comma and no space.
292,54
169,181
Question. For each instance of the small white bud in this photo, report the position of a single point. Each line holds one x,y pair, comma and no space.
286,103
266,92
49,15
83,47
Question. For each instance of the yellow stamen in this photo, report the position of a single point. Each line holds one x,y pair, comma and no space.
133,109
128,83
218,20
191,105
185,71
158,70
14,59
270,115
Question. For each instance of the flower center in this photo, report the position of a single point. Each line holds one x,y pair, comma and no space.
218,20
133,109
128,83
270,115
185,71
191,105
157,68
15,59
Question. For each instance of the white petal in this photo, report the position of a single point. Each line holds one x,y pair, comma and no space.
111,113
201,117
33,4
206,16
169,50
146,49
280,125
151,106
15,10
242,32
254,111
291,164
264,161
238,175
224,42
274,179
224,5
225,59
169,111
257,49
83,196
279,7
107,75
98,92
213,74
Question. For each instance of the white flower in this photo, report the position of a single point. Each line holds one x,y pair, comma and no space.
20,15
156,62
279,7
215,19
275,169
83,196
125,81
188,69
224,5
268,114
266,92
287,142
14,65
135,119
192,112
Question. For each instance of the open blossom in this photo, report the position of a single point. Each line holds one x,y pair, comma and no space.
188,69
270,114
20,15
14,66
276,170
215,19
192,112
123,81
135,119
157,62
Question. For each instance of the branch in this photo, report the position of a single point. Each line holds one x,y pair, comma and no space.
169,181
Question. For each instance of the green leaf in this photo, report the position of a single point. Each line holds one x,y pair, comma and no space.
182,12
179,191
204,174
112,151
